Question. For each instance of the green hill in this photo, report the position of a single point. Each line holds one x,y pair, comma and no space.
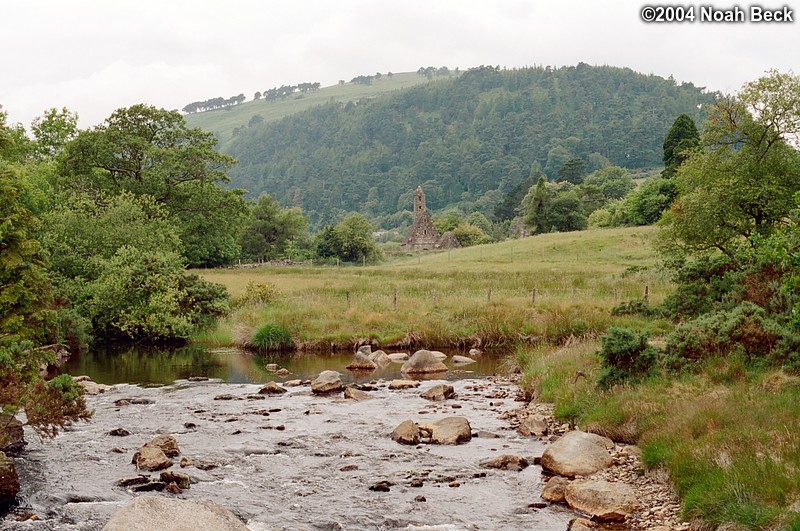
223,121
468,140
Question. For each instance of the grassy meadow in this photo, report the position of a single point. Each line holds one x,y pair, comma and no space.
224,121
540,288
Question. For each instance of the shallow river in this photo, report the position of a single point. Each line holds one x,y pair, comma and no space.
295,461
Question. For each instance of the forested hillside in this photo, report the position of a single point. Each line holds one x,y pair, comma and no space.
468,140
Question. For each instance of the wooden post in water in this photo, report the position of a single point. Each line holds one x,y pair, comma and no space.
394,300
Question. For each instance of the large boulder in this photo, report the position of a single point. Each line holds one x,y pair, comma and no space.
327,382
423,362
361,362
271,388
535,426
151,458
449,430
439,393
553,490
397,357
462,360
578,454
379,357
603,500
407,432
9,481
365,350
356,394
167,444
403,384
12,436
150,513
441,356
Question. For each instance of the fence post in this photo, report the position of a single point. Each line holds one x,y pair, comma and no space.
394,300
489,296
533,296
364,260
347,296
646,292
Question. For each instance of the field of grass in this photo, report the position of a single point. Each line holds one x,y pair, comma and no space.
539,289
224,121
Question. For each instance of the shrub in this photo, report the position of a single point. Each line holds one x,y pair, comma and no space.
636,307
272,337
625,355
260,293
745,329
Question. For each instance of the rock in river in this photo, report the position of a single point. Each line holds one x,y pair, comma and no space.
326,382
361,362
406,433
535,425
553,490
12,436
356,394
380,358
151,513
403,384
271,388
151,458
423,362
462,360
578,454
449,430
603,500
507,462
439,393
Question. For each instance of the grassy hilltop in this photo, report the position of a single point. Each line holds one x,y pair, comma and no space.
223,121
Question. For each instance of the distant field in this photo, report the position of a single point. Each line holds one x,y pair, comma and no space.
547,287
223,121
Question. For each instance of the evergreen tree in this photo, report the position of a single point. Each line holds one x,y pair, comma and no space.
680,140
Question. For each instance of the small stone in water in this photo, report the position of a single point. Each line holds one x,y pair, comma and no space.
348,468
381,486
119,432
420,499
416,482
280,427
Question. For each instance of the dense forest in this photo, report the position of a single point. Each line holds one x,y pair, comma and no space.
468,141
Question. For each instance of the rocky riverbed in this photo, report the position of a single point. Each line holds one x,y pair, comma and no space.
297,460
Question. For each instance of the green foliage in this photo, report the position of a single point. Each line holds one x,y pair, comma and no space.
25,289
260,293
743,180
271,230
612,182
645,205
144,295
636,307
477,219
680,141
626,355
272,338
350,240
468,140
746,329
572,171
469,235
53,130
146,151
448,220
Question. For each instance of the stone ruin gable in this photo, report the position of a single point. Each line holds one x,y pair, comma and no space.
422,235
448,240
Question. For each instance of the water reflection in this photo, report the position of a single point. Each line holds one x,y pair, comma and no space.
147,365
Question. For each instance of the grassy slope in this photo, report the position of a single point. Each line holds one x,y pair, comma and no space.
223,122
575,276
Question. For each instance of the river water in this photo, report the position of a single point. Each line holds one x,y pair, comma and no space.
291,462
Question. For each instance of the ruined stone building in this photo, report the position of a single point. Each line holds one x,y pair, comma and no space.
423,236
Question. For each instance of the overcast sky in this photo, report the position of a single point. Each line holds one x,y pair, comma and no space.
94,56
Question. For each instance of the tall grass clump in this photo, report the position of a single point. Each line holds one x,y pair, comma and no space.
271,338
